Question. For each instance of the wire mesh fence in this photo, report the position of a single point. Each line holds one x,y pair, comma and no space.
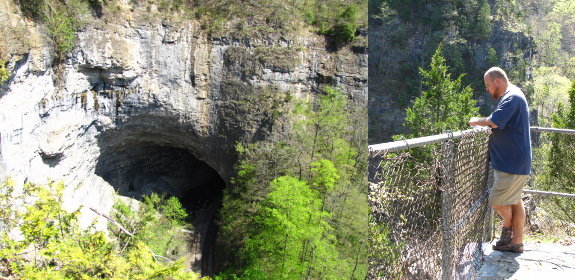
429,213
550,207
428,199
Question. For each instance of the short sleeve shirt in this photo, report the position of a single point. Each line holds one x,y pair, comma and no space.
510,145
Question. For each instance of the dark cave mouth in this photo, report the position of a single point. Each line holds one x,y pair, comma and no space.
143,170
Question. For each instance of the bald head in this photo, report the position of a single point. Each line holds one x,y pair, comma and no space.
496,72
496,82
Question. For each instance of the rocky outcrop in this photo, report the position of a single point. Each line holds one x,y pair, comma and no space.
142,106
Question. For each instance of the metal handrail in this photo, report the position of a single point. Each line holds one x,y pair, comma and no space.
418,142
422,141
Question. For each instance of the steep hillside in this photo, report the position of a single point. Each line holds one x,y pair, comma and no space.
475,35
134,97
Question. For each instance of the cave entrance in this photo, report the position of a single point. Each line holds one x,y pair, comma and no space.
142,170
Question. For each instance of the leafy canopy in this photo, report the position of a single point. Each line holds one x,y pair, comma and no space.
55,247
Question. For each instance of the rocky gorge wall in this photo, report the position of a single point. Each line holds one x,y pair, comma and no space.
142,106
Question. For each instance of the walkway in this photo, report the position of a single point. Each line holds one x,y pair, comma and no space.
538,261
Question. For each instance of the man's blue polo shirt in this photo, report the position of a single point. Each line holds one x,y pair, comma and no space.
510,145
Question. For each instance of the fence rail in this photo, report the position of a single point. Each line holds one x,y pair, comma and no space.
550,193
428,198
416,142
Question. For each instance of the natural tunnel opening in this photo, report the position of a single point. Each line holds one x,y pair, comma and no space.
143,169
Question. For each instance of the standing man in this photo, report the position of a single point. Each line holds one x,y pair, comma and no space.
510,156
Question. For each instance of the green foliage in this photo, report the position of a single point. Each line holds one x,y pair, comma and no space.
4,73
382,11
322,163
290,217
384,252
444,104
492,58
53,246
549,89
62,18
157,222
550,44
339,19
345,26
559,171
484,20
62,29
324,176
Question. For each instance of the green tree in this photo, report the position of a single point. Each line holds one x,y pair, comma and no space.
549,89
321,129
51,244
62,18
326,151
324,176
559,173
157,222
290,217
549,44
345,27
492,58
484,20
444,104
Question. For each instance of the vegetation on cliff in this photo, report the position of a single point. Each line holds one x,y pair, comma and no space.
558,170
444,104
4,74
298,207
41,240
531,39
338,20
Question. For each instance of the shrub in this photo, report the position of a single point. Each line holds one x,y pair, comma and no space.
4,73
53,246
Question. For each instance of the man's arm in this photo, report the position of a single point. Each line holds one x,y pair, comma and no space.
481,122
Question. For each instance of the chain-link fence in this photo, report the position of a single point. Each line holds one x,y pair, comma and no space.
429,213
428,198
550,206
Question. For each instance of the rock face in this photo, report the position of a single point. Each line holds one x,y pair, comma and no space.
140,107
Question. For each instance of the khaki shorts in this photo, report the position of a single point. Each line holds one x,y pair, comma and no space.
507,188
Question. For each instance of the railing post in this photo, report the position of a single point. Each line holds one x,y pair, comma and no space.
490,219
446,177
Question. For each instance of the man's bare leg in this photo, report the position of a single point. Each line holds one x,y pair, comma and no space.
518,218
506,214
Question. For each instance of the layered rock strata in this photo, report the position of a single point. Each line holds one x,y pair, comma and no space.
156,107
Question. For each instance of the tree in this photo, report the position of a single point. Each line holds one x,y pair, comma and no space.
326,152
291,216
550,44
559,173
443,105
484,20
51,244
492,58
344,29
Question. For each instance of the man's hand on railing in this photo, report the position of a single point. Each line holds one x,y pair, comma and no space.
475,121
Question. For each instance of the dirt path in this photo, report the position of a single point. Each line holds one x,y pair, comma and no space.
538,261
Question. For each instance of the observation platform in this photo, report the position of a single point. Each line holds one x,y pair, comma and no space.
538,261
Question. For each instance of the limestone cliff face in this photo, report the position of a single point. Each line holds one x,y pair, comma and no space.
142,106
